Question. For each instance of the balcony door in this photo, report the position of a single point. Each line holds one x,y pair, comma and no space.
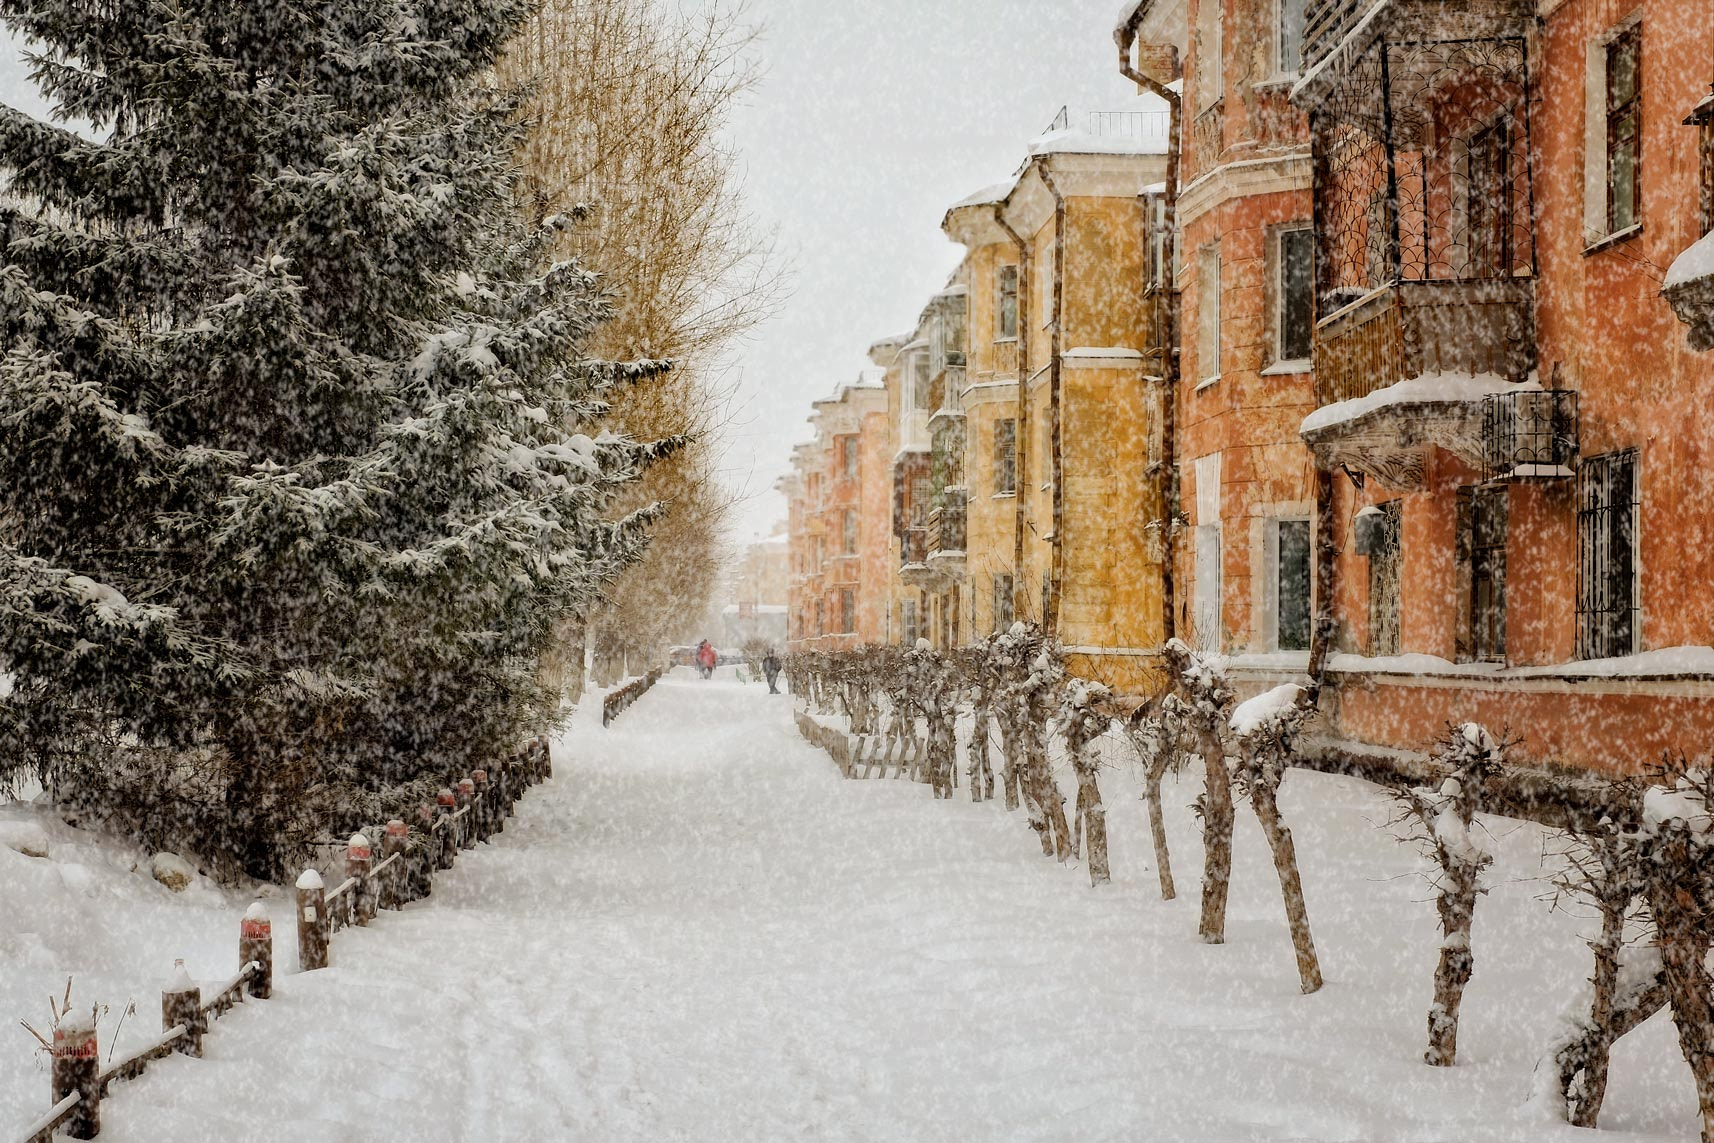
1487,200
1384,601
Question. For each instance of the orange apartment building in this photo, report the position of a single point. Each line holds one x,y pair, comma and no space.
837,497
1245,260
1521,483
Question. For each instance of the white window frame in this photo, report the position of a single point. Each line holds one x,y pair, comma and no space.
1595,157
1208,298
1209,579
1270,577
1277,362
1280,70
1000,333
1210,81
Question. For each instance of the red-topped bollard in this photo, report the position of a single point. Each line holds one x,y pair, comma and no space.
482,808
447,802
181,1005
466,799
393,877
359,861
312,921
256,946
77,1067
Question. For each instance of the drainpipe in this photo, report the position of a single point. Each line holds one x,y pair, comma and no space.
1126,36
1055,426
1020,438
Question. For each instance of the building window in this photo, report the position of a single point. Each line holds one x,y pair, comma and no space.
1291,37
1006,304
1208,314
1209,79
1384,582
820,617
848,456
1294,297
908,621
1002,602
1159,274
1607,555
1624,128
1292,585
1702,118
1483,508
850,532
1207,627
1005,456
922,494
922,395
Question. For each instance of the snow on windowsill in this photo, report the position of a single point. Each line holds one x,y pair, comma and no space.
1427,389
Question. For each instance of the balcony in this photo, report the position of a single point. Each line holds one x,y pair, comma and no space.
950,409
1689,290
1530,434
1351,24
946,535
914,569
1426,259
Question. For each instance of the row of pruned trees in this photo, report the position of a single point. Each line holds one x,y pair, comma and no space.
1644,862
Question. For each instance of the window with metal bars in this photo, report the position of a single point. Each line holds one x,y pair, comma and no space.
1607,609
1483,509
1002,602
1384,583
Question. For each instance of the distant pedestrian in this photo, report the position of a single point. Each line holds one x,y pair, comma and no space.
706,658
771,668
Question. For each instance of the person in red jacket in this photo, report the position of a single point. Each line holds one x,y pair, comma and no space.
706,658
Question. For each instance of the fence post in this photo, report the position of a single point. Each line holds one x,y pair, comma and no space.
547,758
393,884
508,786
423,857
312,921
256,946
359,860
77,1067
483,806
181,1003
466,799
448,850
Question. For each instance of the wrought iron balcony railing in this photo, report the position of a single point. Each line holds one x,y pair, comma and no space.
1530,433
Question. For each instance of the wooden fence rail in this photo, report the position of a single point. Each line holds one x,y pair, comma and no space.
474,813
621,697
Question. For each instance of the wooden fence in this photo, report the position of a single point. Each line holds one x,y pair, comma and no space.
906,753
471,810
621,697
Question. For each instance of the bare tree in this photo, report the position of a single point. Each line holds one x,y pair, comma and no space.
1205,698
1266,727
628,100
1443,816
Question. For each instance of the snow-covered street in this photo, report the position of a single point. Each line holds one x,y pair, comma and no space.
697,930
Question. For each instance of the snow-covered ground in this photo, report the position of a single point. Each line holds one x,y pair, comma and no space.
698,931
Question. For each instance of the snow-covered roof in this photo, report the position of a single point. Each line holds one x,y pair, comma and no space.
1155,188
1071,141
987,196
1697,261
1428,389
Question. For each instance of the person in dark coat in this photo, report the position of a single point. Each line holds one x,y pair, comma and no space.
771,668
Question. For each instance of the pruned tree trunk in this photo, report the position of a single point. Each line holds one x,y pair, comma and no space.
1683,936
1092,820
1577,1066
1217,815
1157,825
1263,799
1457,905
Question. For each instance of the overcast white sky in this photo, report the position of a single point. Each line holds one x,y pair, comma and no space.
871,119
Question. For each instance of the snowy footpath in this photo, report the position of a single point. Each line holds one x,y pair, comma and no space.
698,931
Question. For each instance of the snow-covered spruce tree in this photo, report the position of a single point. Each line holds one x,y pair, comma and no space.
290,475
1266,728
1470,756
